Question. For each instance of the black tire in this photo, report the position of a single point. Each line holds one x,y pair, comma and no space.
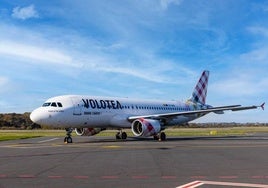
117,136
163,136
69,140
124,136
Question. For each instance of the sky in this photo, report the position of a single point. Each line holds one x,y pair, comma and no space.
149,49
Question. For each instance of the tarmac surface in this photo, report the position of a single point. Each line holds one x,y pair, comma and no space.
104,162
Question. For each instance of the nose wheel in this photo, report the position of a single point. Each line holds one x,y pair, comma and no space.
68,139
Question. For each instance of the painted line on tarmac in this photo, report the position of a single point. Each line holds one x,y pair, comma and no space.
191,184
112,147
48,140
228,177
200,183
26,176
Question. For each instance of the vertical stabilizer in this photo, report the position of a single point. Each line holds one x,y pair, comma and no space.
200,92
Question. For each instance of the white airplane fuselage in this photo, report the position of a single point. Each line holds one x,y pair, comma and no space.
94,111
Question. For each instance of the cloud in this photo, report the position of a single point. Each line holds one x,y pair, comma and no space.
166,3
259,55
36,53
3,81
258,30
243,84
24,13
80,54
5,84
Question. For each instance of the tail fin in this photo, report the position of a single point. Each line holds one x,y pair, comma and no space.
200,92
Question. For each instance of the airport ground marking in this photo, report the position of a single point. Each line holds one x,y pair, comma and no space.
3,175
192,184
198,177
111,147
228,177
48,140
26,176
200,183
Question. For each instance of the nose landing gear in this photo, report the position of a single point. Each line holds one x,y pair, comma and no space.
68,139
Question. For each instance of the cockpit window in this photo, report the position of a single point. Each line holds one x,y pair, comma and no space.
46,104
54,104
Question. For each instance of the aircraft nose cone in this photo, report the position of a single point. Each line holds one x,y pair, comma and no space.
36,116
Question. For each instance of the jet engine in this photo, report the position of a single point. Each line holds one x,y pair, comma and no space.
145,127
87,131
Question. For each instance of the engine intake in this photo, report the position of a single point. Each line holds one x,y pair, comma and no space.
145,127
87,131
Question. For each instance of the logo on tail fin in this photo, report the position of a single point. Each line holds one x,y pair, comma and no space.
200,92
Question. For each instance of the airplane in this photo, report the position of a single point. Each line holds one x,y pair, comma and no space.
89,115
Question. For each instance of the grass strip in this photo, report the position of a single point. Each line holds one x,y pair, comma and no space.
235,131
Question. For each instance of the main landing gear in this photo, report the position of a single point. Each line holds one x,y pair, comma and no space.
121,135
68,139
160,136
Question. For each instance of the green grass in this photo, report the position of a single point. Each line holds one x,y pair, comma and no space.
216,131
236,131
24,134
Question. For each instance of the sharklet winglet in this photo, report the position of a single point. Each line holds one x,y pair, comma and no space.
262,106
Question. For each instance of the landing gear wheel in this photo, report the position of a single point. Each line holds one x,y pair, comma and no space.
117,136
121,135
124,136
68,139
162,136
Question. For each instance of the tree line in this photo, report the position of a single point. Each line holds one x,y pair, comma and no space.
17,121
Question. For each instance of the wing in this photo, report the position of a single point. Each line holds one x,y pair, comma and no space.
218,109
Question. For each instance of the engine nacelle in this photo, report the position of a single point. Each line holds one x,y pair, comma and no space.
87,131
145,127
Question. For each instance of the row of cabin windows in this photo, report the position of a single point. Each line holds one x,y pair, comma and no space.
58,104
53,104
155,108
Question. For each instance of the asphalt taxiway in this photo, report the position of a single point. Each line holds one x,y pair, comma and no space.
105,162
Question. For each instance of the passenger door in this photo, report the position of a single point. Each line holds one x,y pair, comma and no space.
77,107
